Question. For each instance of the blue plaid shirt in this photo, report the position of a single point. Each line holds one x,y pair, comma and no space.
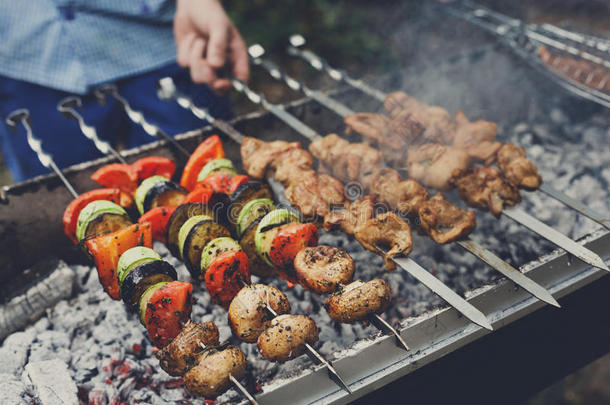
72,45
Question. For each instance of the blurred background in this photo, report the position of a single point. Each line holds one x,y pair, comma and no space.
361,36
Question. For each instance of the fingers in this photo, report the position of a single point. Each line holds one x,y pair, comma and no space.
201,72
239,57
184,50
218,45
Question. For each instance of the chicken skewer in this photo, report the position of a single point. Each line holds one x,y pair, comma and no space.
312,353
257,51
407,264
297,41
374,318
23,116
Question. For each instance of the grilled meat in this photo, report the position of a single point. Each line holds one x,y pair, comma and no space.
183,351
285,339
386,229
353,215
248,316
358,300
517,169
486,189
435,120
290,163
346,161
323,268
433,164
445,222
392,136
257,155
315,194
404,195
210,376
476,138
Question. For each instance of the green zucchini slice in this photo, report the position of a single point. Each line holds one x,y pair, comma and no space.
220,165
99,217
194,235
178,218
267,229
134,257
258,266
215,248
145,298
251,212
157,191
143,276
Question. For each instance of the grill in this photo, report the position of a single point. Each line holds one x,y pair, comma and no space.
365,358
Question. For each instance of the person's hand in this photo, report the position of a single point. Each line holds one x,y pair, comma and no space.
206,41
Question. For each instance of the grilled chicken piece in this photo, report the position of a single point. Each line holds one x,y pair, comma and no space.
183,351
392,136
315,194
476,138
288,163
210,376
353,215
517,169
356,301
286,337
445,222
433,164
257,155
404,195
486,189
344,160
323,268
370,125
386,229
248,316
435,120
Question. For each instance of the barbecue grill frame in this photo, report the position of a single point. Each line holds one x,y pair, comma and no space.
373,363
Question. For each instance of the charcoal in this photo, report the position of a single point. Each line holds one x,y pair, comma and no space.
14,351
12,390
51,381
51,344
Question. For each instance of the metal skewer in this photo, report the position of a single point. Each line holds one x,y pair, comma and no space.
525,219
140,120
67,107
167,90
23,116
257,51
136,116
407,264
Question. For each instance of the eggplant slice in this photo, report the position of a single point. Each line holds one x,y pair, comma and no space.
199,236
143,276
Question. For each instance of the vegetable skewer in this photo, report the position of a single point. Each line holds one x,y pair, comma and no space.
23,116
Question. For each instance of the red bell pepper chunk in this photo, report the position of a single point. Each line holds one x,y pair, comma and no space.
208,150
219,182
158,218
200,194
226,276
167,310
153,166
237,181
107,248
126,200
116,175
290,240
71,213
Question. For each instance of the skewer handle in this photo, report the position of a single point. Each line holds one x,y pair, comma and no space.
137,117
67,107
23,115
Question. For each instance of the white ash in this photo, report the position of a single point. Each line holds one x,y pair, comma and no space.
108,354
50,382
